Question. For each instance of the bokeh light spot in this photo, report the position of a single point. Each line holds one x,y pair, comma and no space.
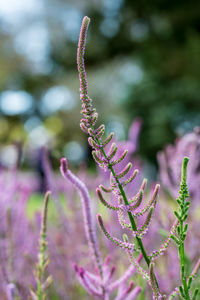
15,102
118,128
32,123
57,98
109,27
14,13
139,30
39,136
9,156
74,152
33,43
132,73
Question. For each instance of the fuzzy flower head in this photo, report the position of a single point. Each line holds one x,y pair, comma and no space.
170,164
80,59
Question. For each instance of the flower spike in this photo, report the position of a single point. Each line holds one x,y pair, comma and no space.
107,161
136,201
86,283
123,245
107,140
88,221
115,162
124,171
106,190
93,144
129,272
43,260
112,151
104,202
131,178
143,230
125,292
83,127
134,294
80,59
98,160
156,293
140,231
152,202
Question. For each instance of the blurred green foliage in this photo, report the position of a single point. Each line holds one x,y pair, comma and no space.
142,59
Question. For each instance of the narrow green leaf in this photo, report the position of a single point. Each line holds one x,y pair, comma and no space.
181,291
195,294
177,215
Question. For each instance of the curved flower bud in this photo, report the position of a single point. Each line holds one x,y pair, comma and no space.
131,178
107,140
124,171
97,159
80,59
143,230
156,293
134,293
93,144
106,190
104,202
123,245
112,151
129,272
152,202
83,127
136,201
88,222
117,161
86,283
125,292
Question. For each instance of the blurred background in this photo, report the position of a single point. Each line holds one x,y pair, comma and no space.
143,64
142,60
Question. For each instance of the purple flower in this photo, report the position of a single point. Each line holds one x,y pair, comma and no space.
170,161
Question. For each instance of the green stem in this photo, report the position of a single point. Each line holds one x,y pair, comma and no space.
182,263
132,221
181,234
42,250
184,169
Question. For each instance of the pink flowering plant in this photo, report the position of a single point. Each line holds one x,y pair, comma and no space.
105,154
154,253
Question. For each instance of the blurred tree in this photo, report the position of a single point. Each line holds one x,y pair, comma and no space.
142,60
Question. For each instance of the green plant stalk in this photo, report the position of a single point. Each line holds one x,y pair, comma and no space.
181,248
182,261
132,221
42,250
83,79
41,266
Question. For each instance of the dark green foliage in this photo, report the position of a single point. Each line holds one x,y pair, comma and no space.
181,233
167,98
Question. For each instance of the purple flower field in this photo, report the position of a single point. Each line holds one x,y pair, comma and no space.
110,234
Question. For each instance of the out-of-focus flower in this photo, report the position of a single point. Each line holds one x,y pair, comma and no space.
170,165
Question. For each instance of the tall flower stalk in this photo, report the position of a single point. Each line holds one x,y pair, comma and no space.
88,221
106,159
99,285
95,139
104,153
43,261
181,233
